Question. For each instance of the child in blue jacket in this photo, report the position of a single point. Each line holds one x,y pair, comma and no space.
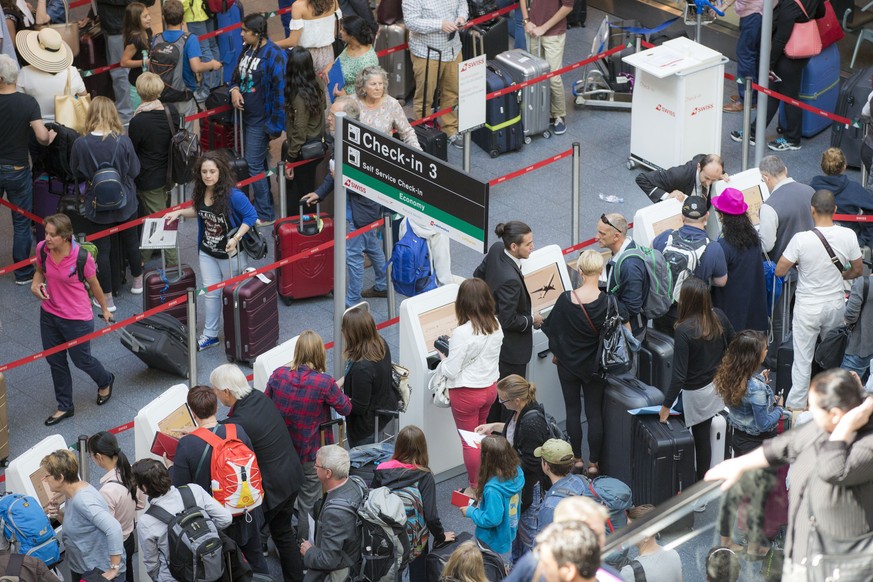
499,492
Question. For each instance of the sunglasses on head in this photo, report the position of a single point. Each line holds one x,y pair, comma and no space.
605,221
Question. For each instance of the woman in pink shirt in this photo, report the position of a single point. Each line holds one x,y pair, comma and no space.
66,312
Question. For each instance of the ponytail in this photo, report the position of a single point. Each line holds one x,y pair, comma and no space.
106,444
514,386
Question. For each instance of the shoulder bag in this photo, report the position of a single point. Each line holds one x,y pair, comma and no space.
72,110
830,558
68,30
805,40
439,384
832,349
834,259
829,28
618,343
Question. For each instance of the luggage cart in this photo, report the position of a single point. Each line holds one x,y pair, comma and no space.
604,83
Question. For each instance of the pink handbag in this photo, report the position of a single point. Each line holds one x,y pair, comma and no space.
805,40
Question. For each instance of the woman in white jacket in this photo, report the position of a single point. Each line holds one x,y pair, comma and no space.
471,366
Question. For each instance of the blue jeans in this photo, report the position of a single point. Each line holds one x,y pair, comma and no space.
856,364
208,52
748,47
370,243
120,83
18,186
214,271
229,43
57,330
257,152
286,17
516,27
527,526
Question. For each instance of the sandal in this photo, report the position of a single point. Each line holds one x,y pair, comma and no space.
593,470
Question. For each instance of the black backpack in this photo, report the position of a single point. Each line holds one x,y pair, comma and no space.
165,60
57,158
184,151
105,184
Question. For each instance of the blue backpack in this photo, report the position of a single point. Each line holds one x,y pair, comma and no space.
28,529
411,270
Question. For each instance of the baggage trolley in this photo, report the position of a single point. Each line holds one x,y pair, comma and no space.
603,83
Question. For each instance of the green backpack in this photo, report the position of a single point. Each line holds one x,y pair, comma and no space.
660,296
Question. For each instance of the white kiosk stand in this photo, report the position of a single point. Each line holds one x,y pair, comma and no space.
546,277
677,97
424,318
269,361
170,407
650,221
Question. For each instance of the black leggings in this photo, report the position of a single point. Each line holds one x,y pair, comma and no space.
129,548
790,71
702,447
302,184
592,391
111,252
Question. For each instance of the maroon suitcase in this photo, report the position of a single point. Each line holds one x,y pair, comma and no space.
92,54
313,275
162,285
47,194
251,317
215,136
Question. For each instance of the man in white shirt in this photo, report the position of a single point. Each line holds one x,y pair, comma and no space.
821,256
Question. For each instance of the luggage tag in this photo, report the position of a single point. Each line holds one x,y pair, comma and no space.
264,279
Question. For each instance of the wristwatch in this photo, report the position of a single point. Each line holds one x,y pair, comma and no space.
115,566
525,20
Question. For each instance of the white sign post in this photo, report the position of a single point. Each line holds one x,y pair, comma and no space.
471,101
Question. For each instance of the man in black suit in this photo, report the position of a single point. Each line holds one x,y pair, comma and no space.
501,269
281,471
690,179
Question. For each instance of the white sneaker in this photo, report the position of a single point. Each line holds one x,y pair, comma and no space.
110,304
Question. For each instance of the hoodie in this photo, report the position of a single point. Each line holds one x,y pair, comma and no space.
850,196
496,515
394,475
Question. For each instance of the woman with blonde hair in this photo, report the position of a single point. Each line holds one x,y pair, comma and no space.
851,197
573,328
465,565
104,143
304,393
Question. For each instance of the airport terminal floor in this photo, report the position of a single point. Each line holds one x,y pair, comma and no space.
542,198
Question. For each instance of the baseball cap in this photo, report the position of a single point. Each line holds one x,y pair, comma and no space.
694,207
555,451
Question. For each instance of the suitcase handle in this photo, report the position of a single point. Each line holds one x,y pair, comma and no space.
238,139
481,39
434,98
314,216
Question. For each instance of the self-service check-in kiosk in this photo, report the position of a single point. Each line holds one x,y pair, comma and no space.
650,221
167,414
423,319
546,277
24,475
269,361
755,192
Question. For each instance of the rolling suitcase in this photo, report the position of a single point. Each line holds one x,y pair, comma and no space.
503,130
784,363
160,341
162,285
535,99
401,80
819,87
489,39
251,317
312,276
4,423
214,135
656,360
46,201
852,98
438,556
718,439
623,393
431,138
663,459
92,54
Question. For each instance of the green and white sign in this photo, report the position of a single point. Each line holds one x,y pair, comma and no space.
415,184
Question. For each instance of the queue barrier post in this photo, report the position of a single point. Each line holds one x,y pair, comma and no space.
468,146
388,236
577,187
763,80
747,120
82,454
192,337
283,187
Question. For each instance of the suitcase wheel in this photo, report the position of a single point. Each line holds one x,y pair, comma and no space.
231,359
547,134
4,462
494,153
287,300
631,164
526,139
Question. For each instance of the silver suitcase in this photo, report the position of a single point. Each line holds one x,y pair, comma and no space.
401,80
535,99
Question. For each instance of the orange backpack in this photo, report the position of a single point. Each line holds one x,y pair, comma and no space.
234,471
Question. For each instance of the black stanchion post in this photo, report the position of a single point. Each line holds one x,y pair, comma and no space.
748,96
192,337
388,235
283,190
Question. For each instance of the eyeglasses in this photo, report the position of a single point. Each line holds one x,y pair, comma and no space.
502,401
605,221
319,467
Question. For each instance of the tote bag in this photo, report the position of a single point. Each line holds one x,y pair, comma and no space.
72,110
69,31
805,40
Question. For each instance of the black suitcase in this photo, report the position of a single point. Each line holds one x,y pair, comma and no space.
489,39
438,556
432,139
656,360
503,131
160,341
853,97
784,363
72,206
218,97
663,459
623,393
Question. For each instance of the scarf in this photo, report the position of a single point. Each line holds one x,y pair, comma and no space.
155,105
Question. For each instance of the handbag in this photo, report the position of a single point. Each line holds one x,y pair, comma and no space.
805,40
313,148
69,31
389,11
72,110
619,344
439,384
829,28
846,560
400,385
830,352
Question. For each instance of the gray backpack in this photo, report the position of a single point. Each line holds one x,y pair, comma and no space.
165,60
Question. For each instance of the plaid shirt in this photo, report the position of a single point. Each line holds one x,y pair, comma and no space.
273,59
424,20
304,399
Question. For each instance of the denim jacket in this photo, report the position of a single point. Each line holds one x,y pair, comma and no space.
757,413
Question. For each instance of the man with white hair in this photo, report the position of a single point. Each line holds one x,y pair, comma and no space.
569,552
281,471
22,118
337,544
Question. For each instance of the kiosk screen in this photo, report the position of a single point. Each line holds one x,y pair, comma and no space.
544,285
437,322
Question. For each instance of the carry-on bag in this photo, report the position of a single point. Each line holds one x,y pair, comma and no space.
656,360
623,393
163,285
852,98
718,439
535,99
503,130
438,556
311,276
72,204
489,38
92,55
431,138
4,423
251,316
663,459
46,200
401,79
784,363
218,97
160,341
819,87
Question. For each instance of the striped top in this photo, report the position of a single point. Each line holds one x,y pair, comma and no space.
831,480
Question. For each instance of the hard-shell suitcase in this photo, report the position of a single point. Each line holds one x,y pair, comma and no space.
623,393
656,360
438,556
503,130
535,99
4,423
160,341
401,79
819,87
163,285
718,439
313,275
784,363
431,138
250,310
489,39
92,54
852,98
663,459
214,135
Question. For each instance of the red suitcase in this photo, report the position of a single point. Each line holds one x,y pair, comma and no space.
251,317
214,135
312,276
92,54
162,285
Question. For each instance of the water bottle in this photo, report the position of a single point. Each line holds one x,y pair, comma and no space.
611,198
145,56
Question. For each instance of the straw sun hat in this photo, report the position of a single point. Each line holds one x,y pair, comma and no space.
44,49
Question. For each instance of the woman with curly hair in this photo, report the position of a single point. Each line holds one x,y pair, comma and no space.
304,123
219,207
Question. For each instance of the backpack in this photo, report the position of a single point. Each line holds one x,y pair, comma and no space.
165,60
106,184
384,543
57,159
184,152
234,471
85,248
682,256
660,296
612,494
27,528
416,527
555,431
193,540
213,7
411,271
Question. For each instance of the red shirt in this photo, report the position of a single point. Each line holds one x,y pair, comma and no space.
540,11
